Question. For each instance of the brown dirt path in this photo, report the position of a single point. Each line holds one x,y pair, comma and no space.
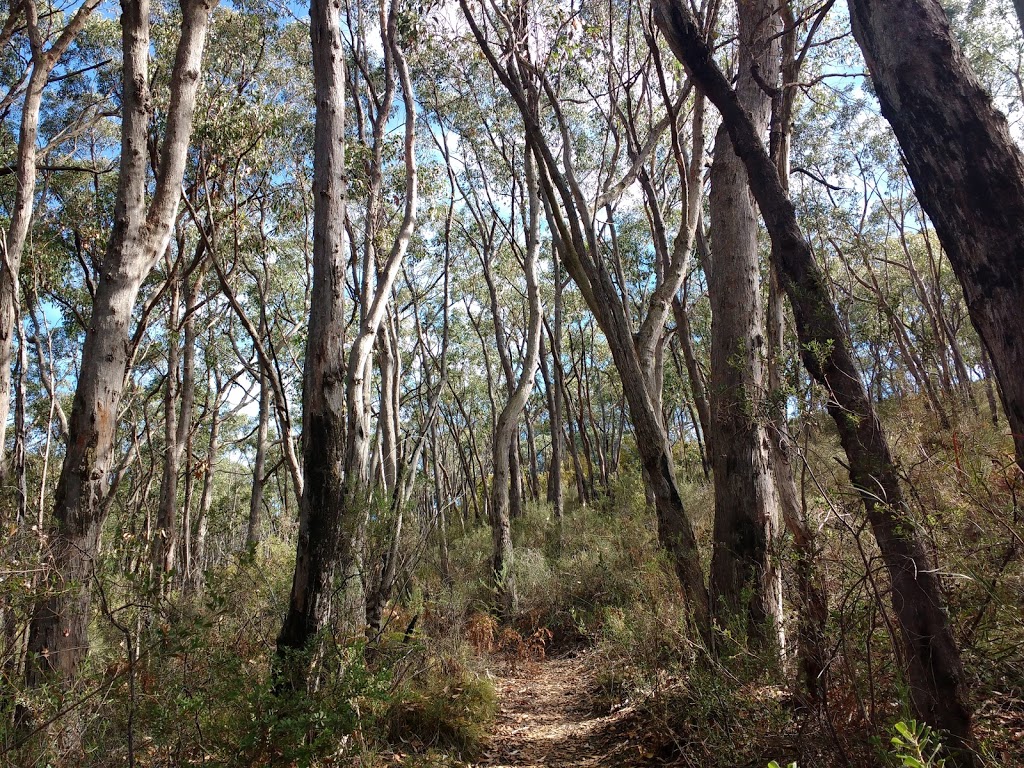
546,719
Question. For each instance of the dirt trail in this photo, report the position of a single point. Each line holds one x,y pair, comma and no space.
546,719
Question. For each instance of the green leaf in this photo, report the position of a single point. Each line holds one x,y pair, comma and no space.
906,731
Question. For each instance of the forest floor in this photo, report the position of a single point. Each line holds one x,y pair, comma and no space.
547,718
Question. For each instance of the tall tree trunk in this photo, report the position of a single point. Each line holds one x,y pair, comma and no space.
252,531
504,442
935,675
967,171
812,599
745,577
336,431
58,635
323,527
13,244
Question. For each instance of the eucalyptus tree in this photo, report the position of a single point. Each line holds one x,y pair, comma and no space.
966,167
935,672
48,43
336,431
58,634
527,65
812,599
502,442
428,394
745,577
246,197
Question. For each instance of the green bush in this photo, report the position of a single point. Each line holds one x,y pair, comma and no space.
445,704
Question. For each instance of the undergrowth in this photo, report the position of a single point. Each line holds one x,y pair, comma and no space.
197,688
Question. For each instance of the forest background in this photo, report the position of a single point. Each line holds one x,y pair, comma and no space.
350,353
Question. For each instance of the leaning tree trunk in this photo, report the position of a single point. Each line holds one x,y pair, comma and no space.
967,171
745,579
935,673
58,634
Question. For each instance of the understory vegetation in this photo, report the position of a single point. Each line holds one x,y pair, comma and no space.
201,691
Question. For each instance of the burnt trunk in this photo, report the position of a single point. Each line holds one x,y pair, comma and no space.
745,579
967,170
324,490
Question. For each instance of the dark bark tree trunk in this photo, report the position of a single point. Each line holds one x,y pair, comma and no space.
336,428
745,578
324,528
935,674
967,171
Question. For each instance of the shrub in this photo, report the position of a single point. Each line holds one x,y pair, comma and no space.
445,704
